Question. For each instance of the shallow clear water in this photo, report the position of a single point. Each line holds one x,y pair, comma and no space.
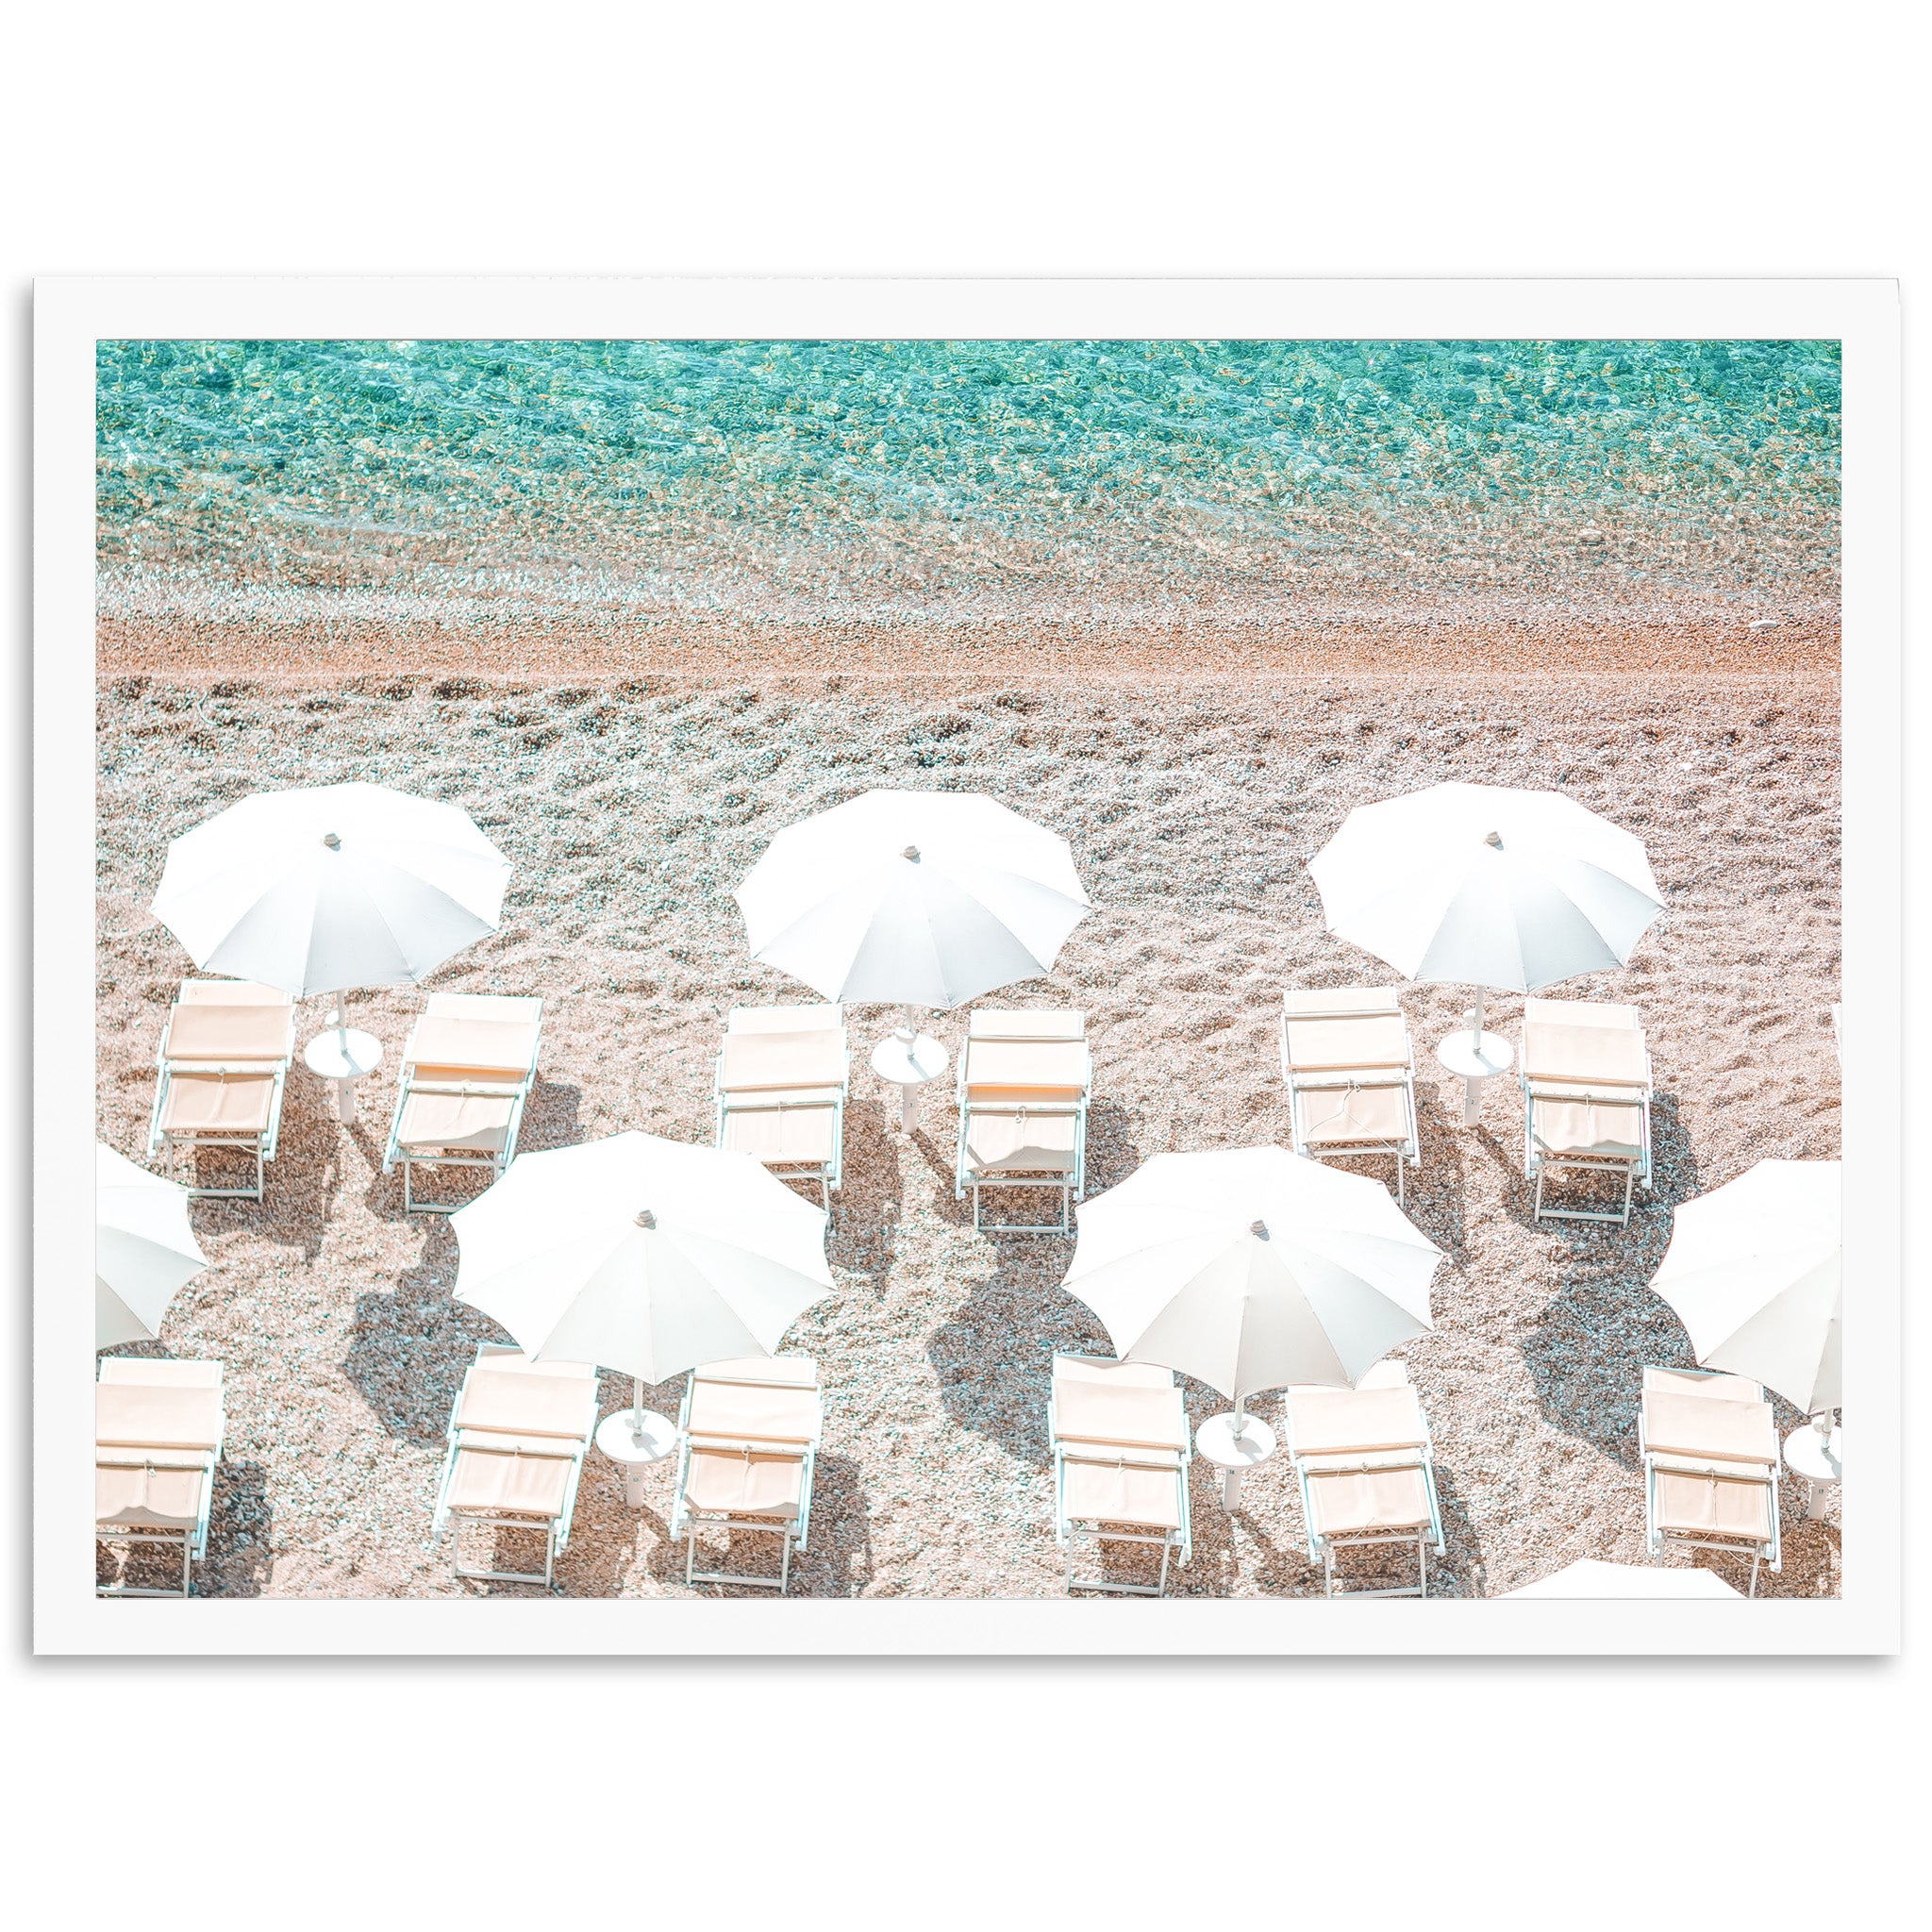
1682,463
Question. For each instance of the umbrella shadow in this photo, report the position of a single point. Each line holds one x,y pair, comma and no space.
863,1233
409,1347
990,1385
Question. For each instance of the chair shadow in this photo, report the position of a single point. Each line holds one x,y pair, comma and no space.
300,1183
409,1347
863,1234
239,1531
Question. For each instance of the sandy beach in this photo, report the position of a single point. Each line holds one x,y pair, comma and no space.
634,779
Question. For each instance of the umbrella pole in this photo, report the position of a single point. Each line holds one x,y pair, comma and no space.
1475,1038
637,1406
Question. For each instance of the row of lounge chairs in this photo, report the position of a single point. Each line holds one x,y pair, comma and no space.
749,1431
1024,1083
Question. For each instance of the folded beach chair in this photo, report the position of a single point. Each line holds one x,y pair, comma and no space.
1710,1450
224,1061
1586,1098
1120,1463
1024,1080
748,1434
467,1068
158,1437
1363,1461
517,1440
780,1086
1350,1070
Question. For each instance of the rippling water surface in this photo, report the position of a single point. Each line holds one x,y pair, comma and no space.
780,475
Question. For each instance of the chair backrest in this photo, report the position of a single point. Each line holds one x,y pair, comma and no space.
827,1018
770,1400
1026,1022
1337,1002
1002,1067
1726,1418
231,1033
758,1060
1583,1042
1343,1029
1579,1013
493,1033
1125,1405
1356,1422
505,1393
141,1404
232,992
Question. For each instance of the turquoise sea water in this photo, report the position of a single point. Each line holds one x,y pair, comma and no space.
794,468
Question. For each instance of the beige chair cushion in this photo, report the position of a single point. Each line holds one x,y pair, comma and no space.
752,1412
1118,1413
509,1480
1023,1069
1101,1488
1713,1506
1349,1045
233,993
1343,1117
1359,1502
783,1136
472,1049
1721,1388
762,1063
1312,1002
513,1395
1345,1421
243,1033
157,1416
161,1369
1102,1368
511,1008
1580,1013
1608,1130
744,1482
1021,1142
148,1496
808,1019
219,1104
1584,1056
1702,1426
472,1122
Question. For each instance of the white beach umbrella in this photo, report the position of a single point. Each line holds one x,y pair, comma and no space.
913,898
1251,1269
331,887
1590,1578
1486,886
642,1254
145,1250
1753,1272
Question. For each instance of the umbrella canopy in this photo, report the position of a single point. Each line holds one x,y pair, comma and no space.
1251,1269
1753,1272
331,886
1590,1578
642,1254
144,1249
1480,885
914,898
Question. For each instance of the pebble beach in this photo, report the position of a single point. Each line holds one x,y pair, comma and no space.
633,805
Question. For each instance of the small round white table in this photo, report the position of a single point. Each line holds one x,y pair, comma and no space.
635,1450
909,1061
1816,1459
1473,1059
343,1055
1234,1454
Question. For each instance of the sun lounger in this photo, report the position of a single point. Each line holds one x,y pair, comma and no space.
158,1437
748,1434
1120,1463
517,1440
1585,1099
780,1086
1350,1070
1364,1464
223,1062
1711,1451
1024,1080
467,1068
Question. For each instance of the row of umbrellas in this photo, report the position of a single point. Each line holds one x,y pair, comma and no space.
1247,1269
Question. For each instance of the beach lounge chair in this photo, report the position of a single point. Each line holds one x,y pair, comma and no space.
1365,1468
158,1437
517,1440
1709,1448
1585,1099
1350,1069
467,1068
780,1086
1024,1080
748,1434
1120,1463
223,1062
